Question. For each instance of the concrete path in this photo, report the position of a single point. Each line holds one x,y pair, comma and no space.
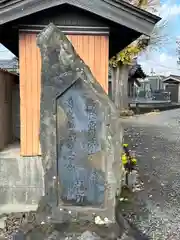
155,206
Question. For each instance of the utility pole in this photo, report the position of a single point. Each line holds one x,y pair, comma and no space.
152,72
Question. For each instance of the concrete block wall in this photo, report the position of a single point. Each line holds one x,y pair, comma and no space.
21,183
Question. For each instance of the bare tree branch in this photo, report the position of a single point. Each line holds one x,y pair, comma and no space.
158,39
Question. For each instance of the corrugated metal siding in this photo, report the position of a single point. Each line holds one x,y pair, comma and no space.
92,49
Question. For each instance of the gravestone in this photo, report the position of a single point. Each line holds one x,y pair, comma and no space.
80,136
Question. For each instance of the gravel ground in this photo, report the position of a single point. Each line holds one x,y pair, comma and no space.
154,208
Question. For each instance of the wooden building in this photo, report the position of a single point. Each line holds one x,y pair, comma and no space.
8,83
98,30
172,86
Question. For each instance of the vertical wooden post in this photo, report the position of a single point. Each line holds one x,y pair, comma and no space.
120,86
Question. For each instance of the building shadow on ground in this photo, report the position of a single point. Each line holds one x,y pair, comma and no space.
127,226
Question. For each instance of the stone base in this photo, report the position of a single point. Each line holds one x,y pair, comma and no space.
30,226
34,226
71,231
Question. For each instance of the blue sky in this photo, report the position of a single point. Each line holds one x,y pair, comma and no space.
163,59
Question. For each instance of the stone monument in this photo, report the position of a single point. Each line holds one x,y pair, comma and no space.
80,136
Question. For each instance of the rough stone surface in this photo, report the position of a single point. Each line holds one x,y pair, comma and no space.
80,132
30,227
89,236
80,141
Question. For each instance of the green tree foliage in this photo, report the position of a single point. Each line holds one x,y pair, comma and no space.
126,56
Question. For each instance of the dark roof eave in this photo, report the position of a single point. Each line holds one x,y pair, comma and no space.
137,72
171,78
171,81
116,11
136,11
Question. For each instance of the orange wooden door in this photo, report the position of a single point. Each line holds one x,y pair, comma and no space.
92,49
